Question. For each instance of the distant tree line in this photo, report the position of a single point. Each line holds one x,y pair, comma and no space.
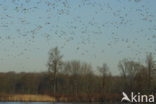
77,80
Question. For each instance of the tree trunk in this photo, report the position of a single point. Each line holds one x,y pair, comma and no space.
54,87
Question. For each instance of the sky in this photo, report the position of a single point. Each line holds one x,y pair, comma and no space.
92,31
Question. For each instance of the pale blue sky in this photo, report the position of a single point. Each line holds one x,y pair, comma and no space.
93,31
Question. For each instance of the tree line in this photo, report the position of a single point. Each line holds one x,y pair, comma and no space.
77,81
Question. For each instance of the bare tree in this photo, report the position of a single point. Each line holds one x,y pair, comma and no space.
54,64
104,72
150,63
87,79
122,68
75,72
104,69
129,70
66,68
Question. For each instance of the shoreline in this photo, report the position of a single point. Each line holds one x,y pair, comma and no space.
27,98
46,98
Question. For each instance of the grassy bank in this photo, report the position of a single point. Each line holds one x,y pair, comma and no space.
28,98
46,98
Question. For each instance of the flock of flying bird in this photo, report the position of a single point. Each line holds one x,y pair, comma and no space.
55,20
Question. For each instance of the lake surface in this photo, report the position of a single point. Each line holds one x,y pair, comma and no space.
49,103
46,103
39,103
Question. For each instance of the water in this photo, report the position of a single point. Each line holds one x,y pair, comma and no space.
33,103
36,103
48,103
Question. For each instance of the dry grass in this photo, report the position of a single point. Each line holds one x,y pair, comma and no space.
29,98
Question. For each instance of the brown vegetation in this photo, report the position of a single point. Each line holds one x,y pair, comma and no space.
76,81
28,98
